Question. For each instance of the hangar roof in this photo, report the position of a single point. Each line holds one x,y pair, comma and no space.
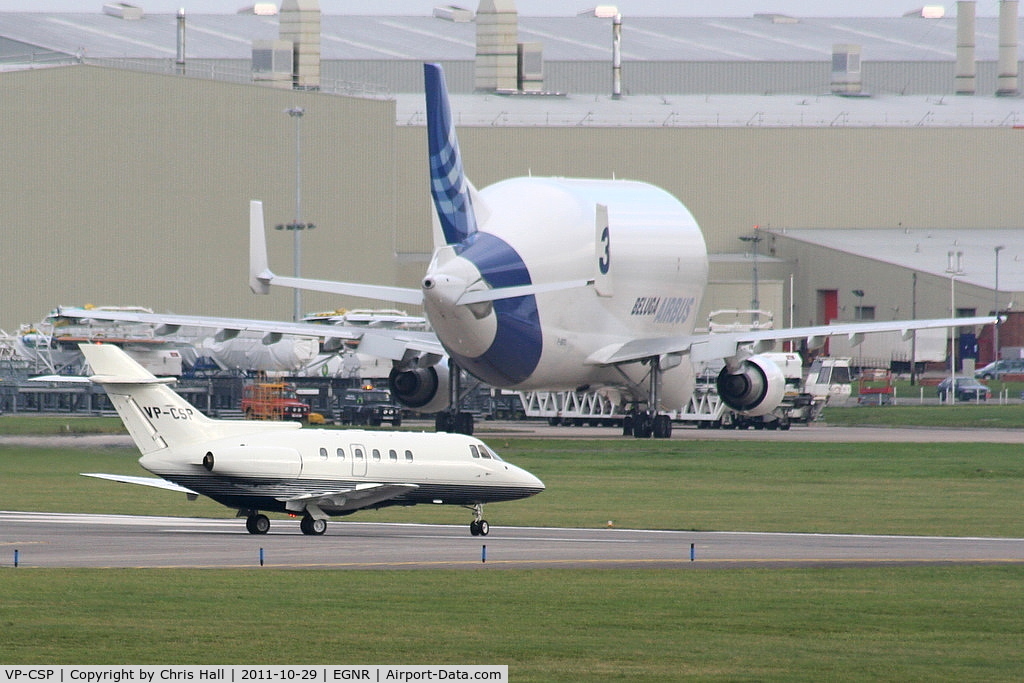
752,111
647,38
927,251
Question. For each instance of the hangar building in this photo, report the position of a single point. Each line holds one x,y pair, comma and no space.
129,163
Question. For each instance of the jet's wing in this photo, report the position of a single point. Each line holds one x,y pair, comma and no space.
383,343
724,345
143,481
361,496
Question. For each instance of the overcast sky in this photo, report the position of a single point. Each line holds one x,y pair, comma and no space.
696,8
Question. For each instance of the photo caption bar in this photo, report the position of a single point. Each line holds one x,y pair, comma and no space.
319,673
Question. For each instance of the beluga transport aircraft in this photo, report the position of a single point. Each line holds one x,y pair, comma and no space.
280,467
557,284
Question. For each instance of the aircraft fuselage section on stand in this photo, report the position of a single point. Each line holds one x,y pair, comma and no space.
638,248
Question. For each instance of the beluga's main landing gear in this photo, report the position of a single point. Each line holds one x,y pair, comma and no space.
643,424
453,420
479,525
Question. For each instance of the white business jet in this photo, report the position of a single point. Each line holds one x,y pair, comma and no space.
555,284
279,467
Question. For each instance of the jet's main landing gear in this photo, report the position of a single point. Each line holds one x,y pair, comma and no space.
312,526
257,524
479,525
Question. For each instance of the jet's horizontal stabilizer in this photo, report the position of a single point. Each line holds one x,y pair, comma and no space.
482,295
401,295
142,481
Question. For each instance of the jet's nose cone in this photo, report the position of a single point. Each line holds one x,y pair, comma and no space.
529,481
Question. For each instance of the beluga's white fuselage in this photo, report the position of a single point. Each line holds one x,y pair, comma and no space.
638,249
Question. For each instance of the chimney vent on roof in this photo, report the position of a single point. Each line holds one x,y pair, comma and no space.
1006,83
299,23
497,51
966,68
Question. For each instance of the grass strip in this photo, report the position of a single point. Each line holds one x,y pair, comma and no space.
891,623
898,488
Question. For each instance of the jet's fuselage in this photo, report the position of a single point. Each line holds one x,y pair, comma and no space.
265,470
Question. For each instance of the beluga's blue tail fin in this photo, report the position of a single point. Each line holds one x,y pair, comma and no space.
448,184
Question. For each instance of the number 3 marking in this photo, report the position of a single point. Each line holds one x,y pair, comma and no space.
604,261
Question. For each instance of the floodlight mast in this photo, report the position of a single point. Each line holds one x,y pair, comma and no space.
297,226
955,269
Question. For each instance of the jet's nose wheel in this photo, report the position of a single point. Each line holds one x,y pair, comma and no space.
257,524
479,525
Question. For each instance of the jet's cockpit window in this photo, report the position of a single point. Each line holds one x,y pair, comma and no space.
486,452
473,450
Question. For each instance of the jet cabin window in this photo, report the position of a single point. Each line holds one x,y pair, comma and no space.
341,453
408,456
323,453
376,454
393,455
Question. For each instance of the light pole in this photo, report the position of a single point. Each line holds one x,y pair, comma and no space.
913,338
995,308
755,301
297,226
955,269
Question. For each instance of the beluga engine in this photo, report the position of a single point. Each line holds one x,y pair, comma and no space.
755,386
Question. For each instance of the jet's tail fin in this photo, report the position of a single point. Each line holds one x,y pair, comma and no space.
449,188
154,415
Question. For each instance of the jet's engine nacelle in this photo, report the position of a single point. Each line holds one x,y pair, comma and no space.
422,389
757,388
253,461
